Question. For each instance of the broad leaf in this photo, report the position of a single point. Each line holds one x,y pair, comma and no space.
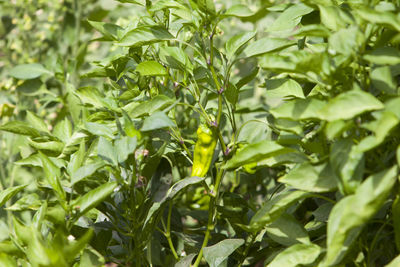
219,252
344,224
297,255
319,178
28,71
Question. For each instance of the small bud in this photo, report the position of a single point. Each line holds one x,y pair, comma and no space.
221,90
227,151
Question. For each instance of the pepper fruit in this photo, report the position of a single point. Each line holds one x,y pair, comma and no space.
207,139
250,167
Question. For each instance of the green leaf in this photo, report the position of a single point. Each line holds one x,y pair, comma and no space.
90,95
8,193
176,57
317,30
72,250
63,130
346,41
151,68
36,122
219,252
90,257
157,120
207,6
255,152
232,94
19,127
348,164
53,175
332,17
28,71
107,152
396,220
297,255
386,19
381,78
319,178
125,147
7,260
282,88
99,129
51,147
394,263
384,56
240,11
381,128
172,192
110,31
237,42
299,109
286,230
150,106
26,202
266,45
185,261
290,18
94,197
273,208
344,224
145,35
350,104
248,78
85,171
311,65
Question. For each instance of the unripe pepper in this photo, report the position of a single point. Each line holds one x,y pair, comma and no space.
250,167
204,150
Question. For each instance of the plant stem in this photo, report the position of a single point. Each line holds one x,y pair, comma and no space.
211,215
246,251
168,232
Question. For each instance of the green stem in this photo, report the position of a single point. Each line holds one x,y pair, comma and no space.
211,215
246,251
168,232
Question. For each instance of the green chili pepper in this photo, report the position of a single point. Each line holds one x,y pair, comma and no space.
250,167
204,150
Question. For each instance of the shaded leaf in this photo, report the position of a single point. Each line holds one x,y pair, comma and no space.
344,224
219,252
273,208
9,192
286,230
94,197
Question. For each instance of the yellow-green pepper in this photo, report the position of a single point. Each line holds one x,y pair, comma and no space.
204,150
250,167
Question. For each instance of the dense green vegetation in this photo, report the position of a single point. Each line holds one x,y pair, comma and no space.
100,103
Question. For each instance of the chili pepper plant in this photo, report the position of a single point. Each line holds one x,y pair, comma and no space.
201,133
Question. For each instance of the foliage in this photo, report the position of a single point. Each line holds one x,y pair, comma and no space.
303,98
